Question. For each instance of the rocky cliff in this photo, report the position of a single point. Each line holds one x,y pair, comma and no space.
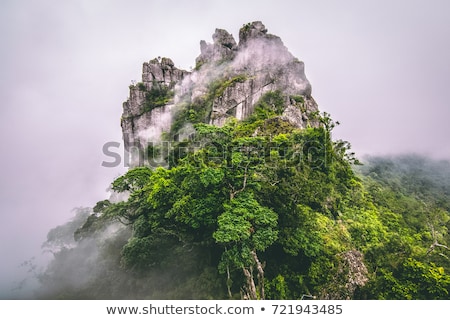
228,80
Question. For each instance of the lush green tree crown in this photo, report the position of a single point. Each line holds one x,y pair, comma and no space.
261,209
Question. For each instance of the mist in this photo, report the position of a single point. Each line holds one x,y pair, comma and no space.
381,69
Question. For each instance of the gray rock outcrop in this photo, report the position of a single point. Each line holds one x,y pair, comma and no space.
222,49
268,66
142,124
230,76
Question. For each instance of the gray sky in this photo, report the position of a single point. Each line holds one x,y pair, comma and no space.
381,68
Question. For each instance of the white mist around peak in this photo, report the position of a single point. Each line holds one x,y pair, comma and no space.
261,54
265,58
161,122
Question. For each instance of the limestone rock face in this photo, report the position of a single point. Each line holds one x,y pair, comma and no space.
229,79
162,71
267,65
142,124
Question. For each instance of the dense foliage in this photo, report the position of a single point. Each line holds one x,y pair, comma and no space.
261,209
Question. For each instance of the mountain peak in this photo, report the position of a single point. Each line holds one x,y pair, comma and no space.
252,30
229,80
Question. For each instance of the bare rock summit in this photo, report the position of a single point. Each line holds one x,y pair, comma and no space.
228,81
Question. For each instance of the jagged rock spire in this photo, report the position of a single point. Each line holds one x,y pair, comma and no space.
252,30
222,49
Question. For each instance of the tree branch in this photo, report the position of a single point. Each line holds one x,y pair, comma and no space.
234,192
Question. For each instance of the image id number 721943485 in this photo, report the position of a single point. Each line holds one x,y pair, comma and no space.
307,309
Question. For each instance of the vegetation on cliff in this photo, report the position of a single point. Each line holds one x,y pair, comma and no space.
260,209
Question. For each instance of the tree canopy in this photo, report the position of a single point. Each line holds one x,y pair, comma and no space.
260,209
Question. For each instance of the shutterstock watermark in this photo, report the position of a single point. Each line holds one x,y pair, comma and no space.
167,153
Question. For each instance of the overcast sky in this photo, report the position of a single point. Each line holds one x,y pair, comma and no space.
381,68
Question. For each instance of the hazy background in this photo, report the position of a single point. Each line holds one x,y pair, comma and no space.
381,68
